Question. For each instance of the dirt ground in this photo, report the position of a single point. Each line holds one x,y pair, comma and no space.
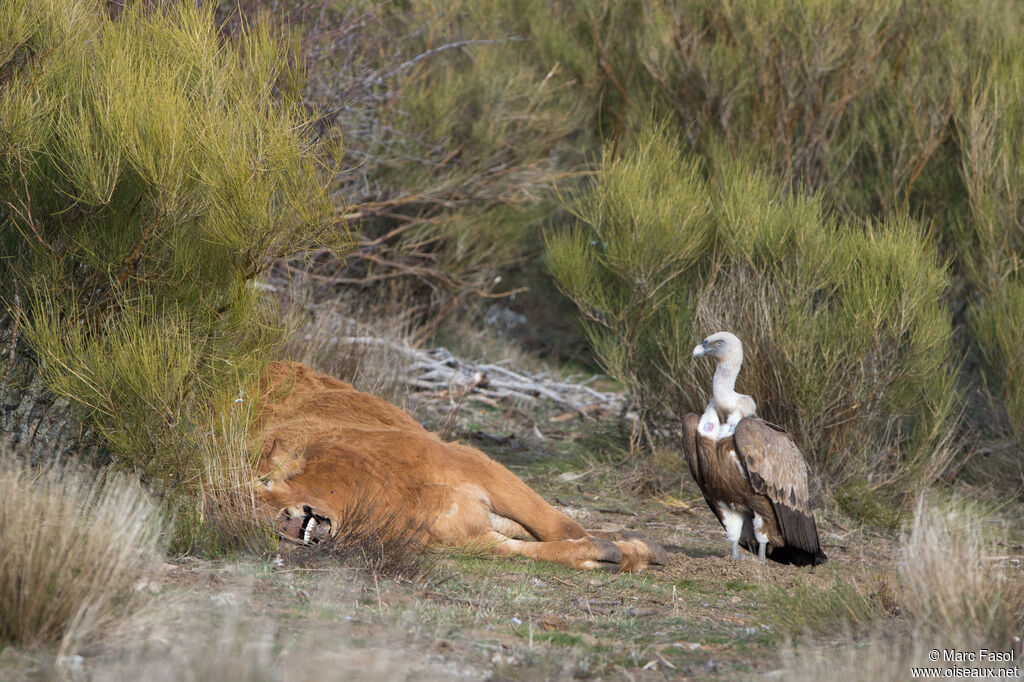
294,615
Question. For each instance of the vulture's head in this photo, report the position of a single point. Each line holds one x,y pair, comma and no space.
722,346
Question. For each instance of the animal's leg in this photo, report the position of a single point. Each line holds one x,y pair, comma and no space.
761,547
583,553
467,518
736,551
471,520
513,501
510,497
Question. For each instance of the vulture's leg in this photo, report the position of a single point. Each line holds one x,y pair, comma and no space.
733,522
761,537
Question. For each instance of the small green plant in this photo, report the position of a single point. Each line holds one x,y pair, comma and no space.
738,586
861,501
840,609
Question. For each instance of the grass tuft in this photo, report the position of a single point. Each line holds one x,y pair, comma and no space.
224,516
954,585
954,592
861,501
841,608
74,546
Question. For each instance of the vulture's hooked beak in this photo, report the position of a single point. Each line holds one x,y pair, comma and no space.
700,349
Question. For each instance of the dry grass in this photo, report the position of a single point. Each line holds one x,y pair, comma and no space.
955,594
882,659
74,545
480,333
333,332
225,516
197,641
854,604
953,585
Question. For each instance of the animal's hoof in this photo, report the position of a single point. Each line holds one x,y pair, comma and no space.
658,555
601,554
641,551
607,552
303,524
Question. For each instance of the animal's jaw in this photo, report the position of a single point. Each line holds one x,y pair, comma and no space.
304,525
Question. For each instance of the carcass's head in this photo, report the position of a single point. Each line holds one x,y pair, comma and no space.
303,524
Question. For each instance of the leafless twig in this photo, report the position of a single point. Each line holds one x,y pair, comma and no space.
438,370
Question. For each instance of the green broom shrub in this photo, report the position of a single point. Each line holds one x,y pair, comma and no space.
991,237
151,170
847,342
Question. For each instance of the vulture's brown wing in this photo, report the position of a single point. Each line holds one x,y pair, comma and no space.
776,466
690,423
777,469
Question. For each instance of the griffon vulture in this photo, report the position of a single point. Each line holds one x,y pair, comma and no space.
751,473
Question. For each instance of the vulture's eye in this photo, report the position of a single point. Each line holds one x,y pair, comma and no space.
719,342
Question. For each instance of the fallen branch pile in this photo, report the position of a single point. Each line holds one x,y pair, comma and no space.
438,370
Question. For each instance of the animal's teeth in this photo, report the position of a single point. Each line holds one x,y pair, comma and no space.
309,530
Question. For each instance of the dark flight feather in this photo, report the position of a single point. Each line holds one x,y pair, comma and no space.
777,469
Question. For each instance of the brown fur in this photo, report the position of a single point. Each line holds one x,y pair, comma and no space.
326,445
